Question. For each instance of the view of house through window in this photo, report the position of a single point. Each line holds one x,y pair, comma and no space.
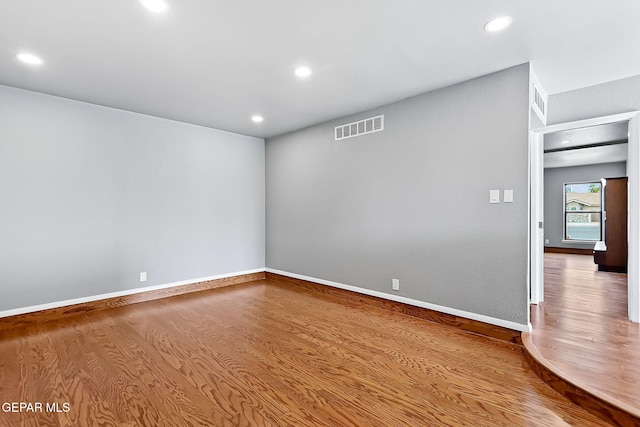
582,211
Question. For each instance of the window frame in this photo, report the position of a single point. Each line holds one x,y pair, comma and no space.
566,211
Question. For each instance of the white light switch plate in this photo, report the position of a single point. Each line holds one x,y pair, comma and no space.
494,196
508,196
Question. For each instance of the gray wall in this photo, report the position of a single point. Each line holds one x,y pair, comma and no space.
91,196
618,96
412,202
554,180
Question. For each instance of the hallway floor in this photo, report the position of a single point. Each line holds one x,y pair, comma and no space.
582,329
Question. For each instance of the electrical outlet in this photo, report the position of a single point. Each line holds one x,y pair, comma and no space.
546,241
395,284
143,276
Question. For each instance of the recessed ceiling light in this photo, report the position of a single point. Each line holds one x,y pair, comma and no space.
157,6
29,58
303,72
566,141
498,24
257,119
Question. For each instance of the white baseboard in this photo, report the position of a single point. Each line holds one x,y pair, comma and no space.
397,298
448,310
58,304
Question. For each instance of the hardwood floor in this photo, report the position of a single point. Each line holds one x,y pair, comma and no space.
269,353
582,331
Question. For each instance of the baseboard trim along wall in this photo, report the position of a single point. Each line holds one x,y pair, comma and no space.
485,325
473,322
43,312
574,251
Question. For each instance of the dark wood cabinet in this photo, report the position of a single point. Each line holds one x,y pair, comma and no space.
614,257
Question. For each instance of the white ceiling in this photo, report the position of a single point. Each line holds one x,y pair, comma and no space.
217,62
583,146
587,156
592,135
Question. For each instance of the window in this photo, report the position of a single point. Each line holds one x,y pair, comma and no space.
582,211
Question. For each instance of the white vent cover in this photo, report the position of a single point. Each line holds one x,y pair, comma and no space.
362,127
539,100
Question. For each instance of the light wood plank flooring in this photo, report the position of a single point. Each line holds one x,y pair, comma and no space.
582,329
270,353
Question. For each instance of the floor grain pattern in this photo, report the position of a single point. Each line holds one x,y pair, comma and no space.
582,331
270,353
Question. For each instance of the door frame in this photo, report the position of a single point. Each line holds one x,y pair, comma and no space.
536,205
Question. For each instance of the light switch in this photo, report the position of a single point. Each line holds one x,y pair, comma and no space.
508,196
494,196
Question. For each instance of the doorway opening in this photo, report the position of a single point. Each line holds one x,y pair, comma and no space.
589,148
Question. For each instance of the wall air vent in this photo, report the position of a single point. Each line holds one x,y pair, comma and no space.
538,99
362,127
